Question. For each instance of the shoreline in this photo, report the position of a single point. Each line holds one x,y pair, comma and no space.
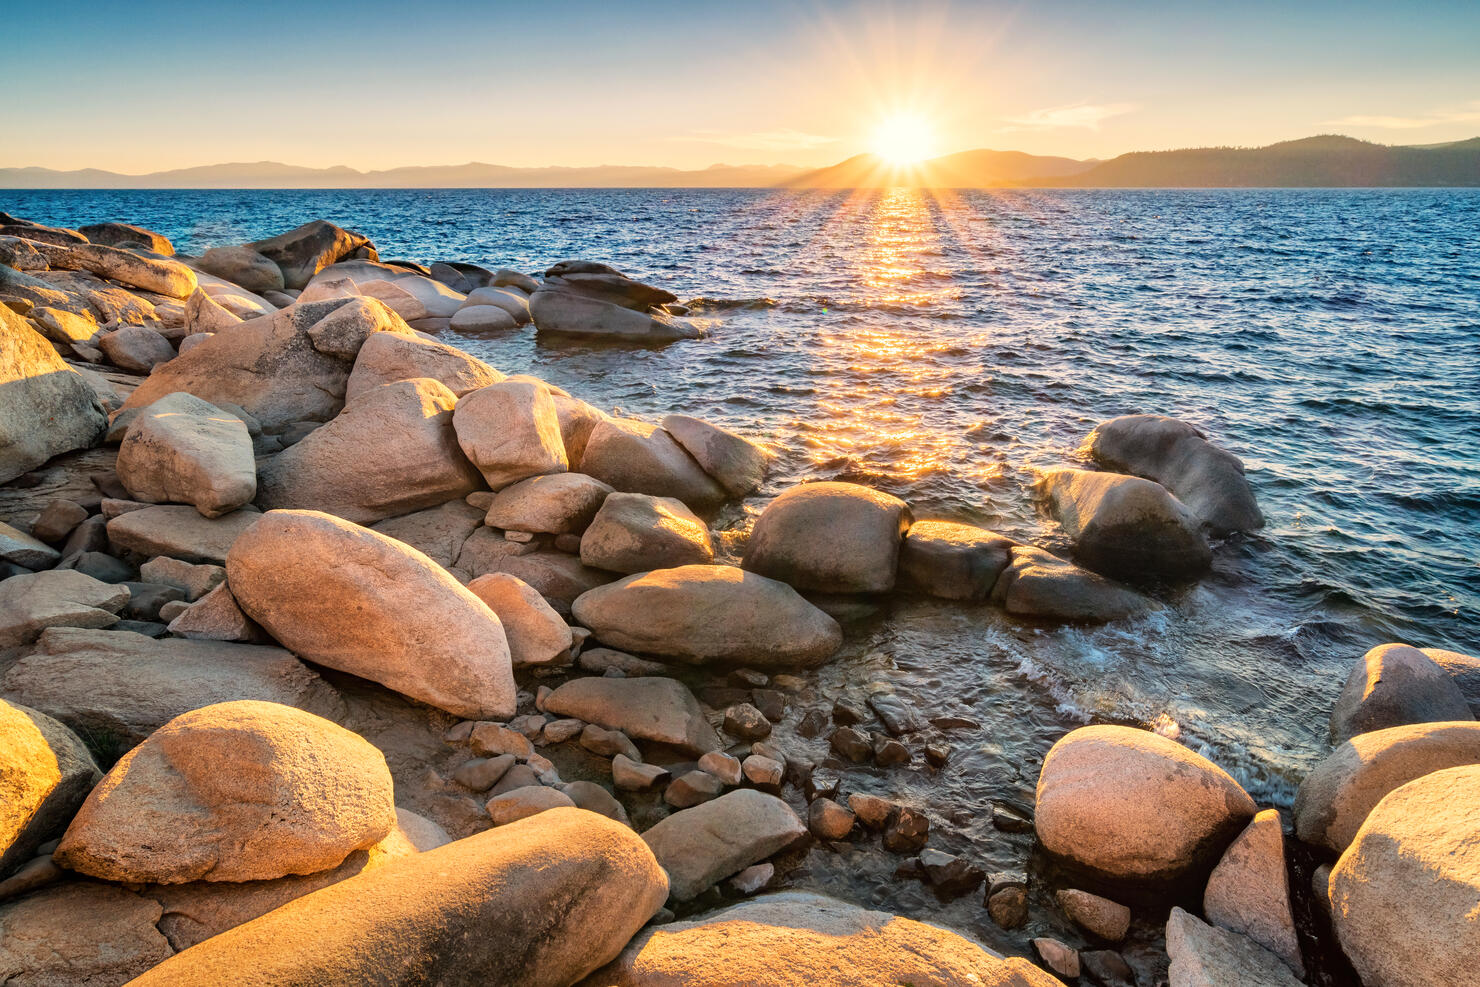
852,554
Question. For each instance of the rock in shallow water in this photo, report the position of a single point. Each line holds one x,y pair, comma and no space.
1037,584
1129,805
830,537
953,561
1126,526
710,613
246,790
352,599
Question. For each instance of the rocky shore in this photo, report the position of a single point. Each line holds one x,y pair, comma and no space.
330,653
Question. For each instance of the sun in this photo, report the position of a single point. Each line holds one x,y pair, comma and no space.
903,139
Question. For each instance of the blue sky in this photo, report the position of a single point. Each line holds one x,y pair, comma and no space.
144,86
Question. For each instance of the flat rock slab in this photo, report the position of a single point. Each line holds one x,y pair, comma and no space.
650,708
702,846
179,532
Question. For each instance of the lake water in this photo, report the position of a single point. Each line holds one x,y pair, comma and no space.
944,346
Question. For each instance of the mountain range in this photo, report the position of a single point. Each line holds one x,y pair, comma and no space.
1323,161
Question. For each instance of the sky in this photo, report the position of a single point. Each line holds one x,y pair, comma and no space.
138,86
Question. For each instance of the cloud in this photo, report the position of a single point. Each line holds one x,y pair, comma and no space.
1434,118
761,140
1086,116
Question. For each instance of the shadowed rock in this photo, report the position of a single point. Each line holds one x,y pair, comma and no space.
1393,685
45,773
1126,526
37,386
306,250
952,561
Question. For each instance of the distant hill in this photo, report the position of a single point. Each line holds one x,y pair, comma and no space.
968,169
271,174
1324,162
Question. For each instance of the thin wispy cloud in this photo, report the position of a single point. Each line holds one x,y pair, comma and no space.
760,140
1434,118
1082,116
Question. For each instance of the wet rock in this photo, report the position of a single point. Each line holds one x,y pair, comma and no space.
738,464
247,790
524,802
746,722
812,724
1107,968
1403,893
1126,526
937,754
797,939
906,831
391,452
693,788
830,537
1249,890
551,935
43,943
387,357
828,820
1008,906
763,772
32,602
559,503
889,752
651,708
1058,957
1102,917
707,843
1204,956
510,432
851,743
1209,480
636,457
1336,798
40,387
771,703
181,449
537,635
710,613
179,532
872,811
898,718
952,561
951,876
634,776
558,310
722,766
639,533
1010,820
1127,804
1393,685
45,773
355,600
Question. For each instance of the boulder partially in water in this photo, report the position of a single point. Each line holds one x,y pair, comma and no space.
1392,685
1403,894
566,889
738,464
830,537
1130,805
1126,526
953,561
581,298
710,613
1209,480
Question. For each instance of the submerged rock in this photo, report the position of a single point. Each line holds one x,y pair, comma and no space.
1037,584
355,600
1126,526
1209,480
585,884
246,790
1126,804
830,537
799,939
710,613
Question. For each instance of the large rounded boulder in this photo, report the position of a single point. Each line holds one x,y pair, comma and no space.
1403,895
1125,526
1129,805
1336,798
831,538
350,598
1392,685
540,902
511,432
239,791
181,449
49,408
45,773
1209,480
636,457
798,939
710,613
